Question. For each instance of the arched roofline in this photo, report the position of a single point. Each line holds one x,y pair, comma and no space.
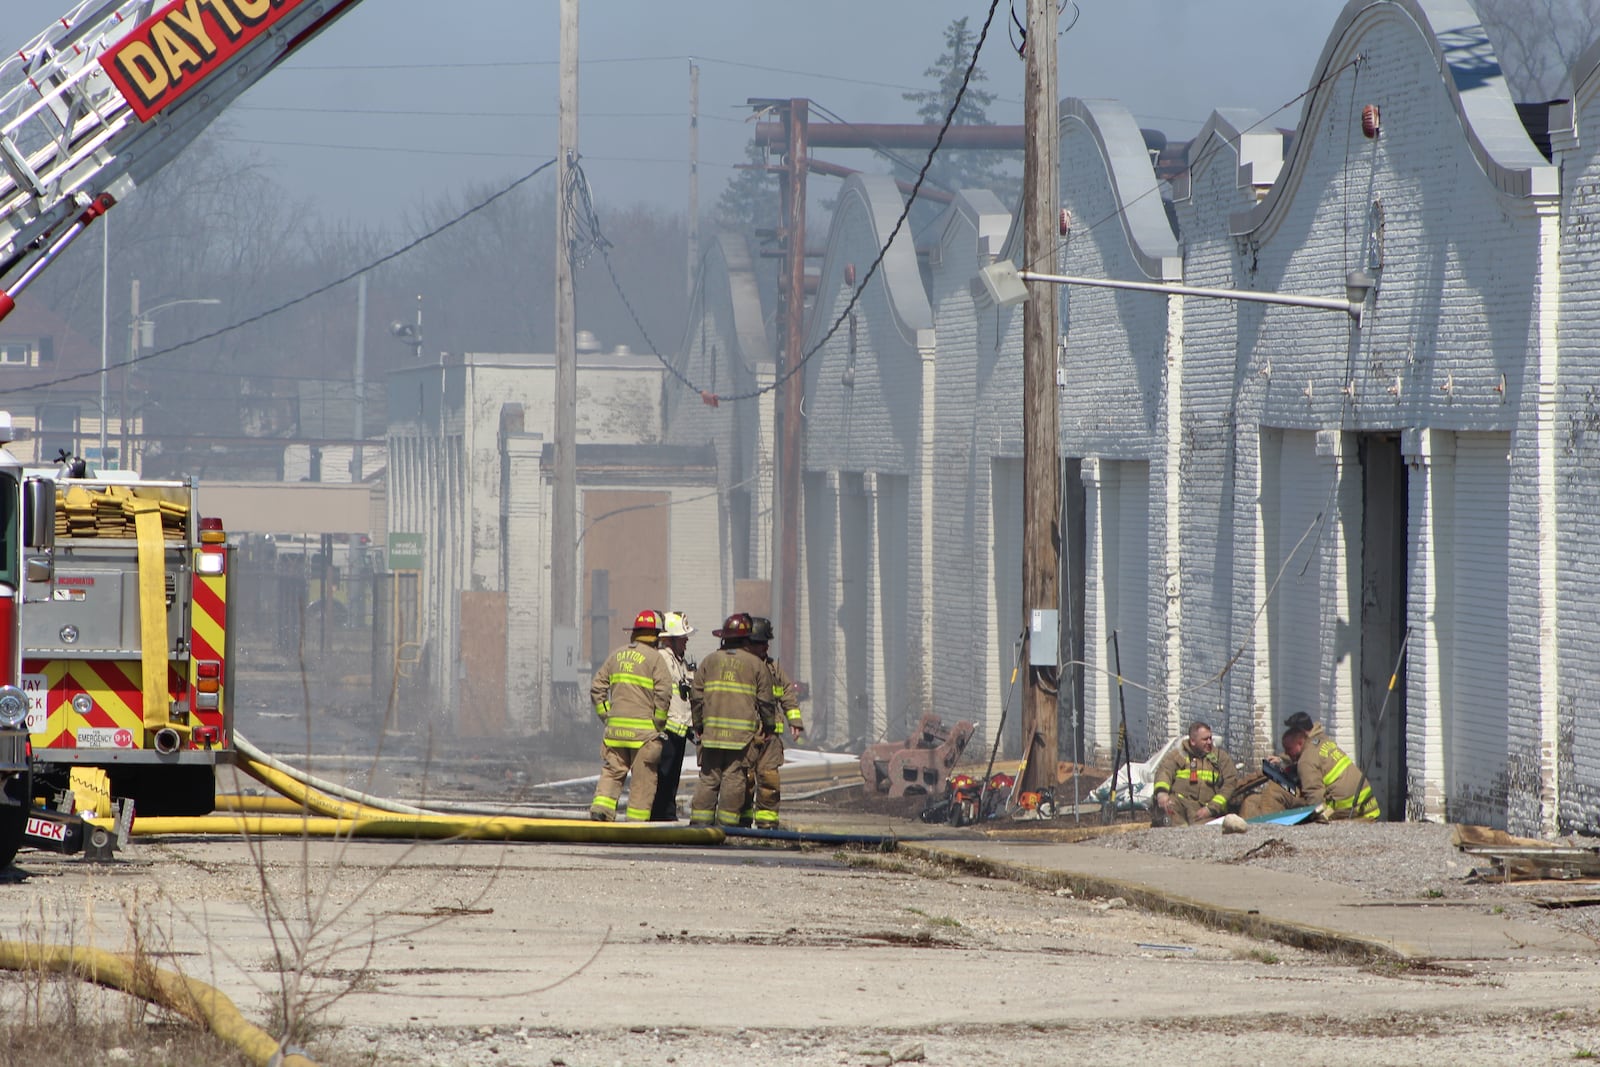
744,297
1257,152
898,274
1132,179
986,217
1471,75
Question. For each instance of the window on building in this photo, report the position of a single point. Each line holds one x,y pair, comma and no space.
19,353
57,428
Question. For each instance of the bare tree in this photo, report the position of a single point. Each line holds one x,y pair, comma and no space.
1537,41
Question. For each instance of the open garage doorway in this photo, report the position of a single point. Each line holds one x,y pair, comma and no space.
1381,709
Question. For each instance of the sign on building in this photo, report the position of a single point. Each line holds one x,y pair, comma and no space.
405,551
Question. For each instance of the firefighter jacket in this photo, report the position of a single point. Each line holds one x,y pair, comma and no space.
785,708
727,698
679,717
1205,779
631,693
1328,776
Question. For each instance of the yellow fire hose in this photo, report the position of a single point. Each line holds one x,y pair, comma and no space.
194,1000
332,817
386,825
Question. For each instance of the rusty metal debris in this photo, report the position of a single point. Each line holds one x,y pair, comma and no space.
918,765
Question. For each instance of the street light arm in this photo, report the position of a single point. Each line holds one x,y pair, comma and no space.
1003,282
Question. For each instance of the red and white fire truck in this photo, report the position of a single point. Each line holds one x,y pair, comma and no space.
125,645
27,524
126,625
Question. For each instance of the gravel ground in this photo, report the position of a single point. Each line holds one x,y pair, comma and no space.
1398,861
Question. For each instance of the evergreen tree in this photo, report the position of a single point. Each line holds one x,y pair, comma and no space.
963,169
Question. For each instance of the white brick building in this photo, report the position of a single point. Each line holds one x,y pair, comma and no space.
1271,508
470,462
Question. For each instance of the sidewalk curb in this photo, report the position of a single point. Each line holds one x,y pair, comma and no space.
1251,923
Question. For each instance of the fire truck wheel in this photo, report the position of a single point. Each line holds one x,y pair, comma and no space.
13,817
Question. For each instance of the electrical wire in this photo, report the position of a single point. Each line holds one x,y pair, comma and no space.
1206,153
302,298
789,372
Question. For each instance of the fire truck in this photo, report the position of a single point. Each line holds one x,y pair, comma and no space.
126,643
124,624
27,524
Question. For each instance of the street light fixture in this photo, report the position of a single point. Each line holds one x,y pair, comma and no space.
141,334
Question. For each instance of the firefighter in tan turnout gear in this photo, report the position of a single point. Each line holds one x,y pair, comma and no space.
631,693
1194,780
1330,781
726,700
785,715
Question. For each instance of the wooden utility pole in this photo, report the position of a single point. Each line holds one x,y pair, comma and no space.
694,174
1041,436
791,394
564,506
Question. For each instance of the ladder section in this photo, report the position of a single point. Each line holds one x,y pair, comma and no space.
110,93
58,114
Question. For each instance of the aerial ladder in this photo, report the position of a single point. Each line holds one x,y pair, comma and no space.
109,94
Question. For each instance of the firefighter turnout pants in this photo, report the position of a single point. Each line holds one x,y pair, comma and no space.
720,792
766,759
615,763
1186,812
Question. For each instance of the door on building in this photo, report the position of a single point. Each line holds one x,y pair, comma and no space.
1472,539
1295,492
624,535
1381,708
855,605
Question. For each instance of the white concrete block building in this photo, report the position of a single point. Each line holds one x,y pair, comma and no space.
1267,509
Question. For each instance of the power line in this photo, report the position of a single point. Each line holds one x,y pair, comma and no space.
302,298
855,297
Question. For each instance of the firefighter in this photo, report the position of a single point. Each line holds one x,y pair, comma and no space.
631,693
726,701
785,713
674,649
1194,780
1271,797
1329,779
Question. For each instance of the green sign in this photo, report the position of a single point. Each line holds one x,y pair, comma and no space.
405,551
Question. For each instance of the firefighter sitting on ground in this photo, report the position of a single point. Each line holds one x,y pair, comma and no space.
1330,781
631,693
1271,797
1193,781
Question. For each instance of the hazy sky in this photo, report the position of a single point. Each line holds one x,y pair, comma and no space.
406,100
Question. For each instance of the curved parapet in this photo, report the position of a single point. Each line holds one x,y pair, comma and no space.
1255,148
1132,180
1464,61
877,201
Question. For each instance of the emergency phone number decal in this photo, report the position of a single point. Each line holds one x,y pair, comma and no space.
103,737
173,50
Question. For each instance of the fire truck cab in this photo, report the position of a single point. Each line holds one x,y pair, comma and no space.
125,660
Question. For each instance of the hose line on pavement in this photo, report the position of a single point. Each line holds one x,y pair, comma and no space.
245,748
428,827
202,1004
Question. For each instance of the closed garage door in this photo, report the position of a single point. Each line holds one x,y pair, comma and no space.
1473,559
1295,489
1126,537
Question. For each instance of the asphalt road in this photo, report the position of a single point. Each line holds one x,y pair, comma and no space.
538,954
